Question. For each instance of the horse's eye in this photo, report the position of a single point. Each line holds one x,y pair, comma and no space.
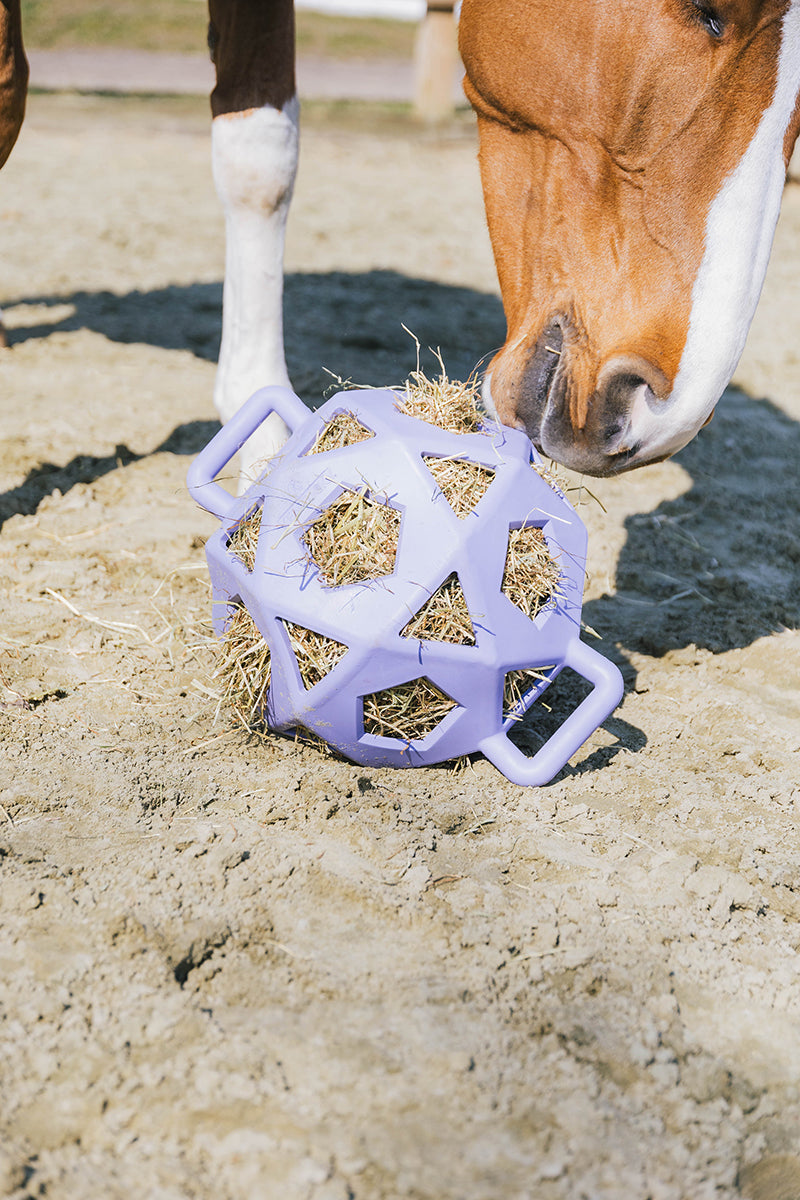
709,19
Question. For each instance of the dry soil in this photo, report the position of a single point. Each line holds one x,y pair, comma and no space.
238,968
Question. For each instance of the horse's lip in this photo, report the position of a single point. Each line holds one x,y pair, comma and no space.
624,460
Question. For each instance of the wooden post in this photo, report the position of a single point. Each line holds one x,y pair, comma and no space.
435,60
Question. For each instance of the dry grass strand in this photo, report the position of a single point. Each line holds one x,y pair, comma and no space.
516,684
344,429
444,617
448,403
243,540
316,654
531,576
551,475
462,483
307,737
409,711
355,539
244,668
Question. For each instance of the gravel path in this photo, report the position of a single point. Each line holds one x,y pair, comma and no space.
119,70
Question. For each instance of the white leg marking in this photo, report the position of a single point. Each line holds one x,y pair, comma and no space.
254,158
739,233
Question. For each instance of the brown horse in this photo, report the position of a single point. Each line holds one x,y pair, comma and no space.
633,155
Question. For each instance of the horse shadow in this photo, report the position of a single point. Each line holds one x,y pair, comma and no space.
716,568
359,327
337,325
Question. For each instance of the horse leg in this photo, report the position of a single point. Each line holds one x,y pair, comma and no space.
254,153
13,89
13,76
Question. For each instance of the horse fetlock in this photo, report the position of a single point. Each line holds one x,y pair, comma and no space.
254,157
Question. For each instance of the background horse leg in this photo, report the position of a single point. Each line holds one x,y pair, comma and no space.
13,89
254,153
13,77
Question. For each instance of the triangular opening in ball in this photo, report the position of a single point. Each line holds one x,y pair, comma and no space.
444,617
344,429
516,686
316,654
243,538
462,483
531,576
410,711
244,668
354,540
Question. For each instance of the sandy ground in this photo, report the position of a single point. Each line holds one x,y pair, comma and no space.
232,968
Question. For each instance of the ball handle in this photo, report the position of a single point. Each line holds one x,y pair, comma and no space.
556,752
233,435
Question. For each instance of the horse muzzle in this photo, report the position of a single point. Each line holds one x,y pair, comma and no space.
596,426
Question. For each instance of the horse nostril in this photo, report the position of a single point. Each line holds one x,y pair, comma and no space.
625,377
626,386
541,367
618,395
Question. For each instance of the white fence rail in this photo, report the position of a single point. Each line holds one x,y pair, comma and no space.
399,10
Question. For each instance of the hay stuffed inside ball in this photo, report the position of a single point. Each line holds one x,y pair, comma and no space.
403,582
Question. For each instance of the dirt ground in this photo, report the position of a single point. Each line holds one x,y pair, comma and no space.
232,968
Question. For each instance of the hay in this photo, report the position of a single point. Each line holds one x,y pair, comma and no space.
307,737
355,539
531,576
515,686
316,654
243,539
444,402
444,617
244,668
462,483
551,475
344,429
410,711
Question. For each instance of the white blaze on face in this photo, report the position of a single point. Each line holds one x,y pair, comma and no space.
254,156
739,232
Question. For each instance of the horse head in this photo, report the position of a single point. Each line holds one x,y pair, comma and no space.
633,156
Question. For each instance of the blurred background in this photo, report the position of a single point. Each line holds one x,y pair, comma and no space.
392,51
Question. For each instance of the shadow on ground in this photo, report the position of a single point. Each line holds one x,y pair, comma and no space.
716,568
351,324
719,566
48,477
